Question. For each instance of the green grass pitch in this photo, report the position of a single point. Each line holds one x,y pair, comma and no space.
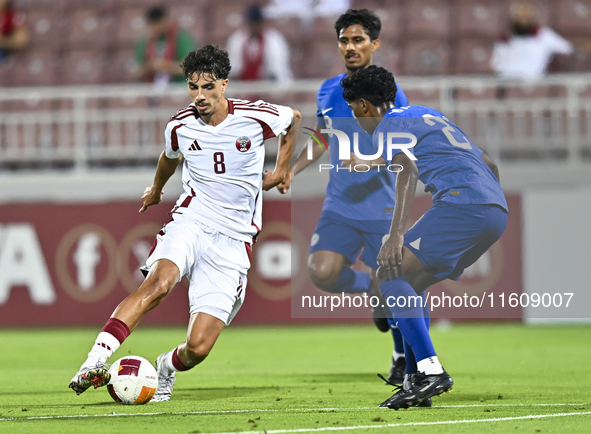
508,378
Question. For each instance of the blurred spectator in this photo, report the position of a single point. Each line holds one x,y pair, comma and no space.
259,52
13,33
159,53
529,49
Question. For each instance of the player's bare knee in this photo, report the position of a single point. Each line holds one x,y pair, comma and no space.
323,276
157,288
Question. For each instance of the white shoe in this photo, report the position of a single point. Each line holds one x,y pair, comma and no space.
96,376
165,380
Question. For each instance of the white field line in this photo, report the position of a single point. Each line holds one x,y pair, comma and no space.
269,410
396,425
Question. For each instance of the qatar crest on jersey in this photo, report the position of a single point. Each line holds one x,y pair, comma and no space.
243,143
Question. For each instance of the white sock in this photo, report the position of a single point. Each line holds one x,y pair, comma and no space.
430,366
104,347
396,355
167,361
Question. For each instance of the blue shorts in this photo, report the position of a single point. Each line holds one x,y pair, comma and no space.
347,237
450,237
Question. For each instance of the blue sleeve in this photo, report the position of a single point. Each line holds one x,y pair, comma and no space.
319,118
401,100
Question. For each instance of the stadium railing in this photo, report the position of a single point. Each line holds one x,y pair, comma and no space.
122,125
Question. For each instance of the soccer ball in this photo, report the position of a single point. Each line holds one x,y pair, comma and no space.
133,380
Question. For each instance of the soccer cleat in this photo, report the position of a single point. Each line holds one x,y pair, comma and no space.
426,403
165,381
377,313
397,370
96,376
423,388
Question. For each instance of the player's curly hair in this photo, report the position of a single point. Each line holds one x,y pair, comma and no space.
374,84
364,17
209,59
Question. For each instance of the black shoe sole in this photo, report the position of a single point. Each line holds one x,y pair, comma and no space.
417,404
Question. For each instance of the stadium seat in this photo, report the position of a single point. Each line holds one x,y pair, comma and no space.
526,91
47,29
391,16
128,102
90,29
427,18
572,17
36,68
7,68
291,28
323,60
145,4
472,56
99,6
297,60
426,57
130,25
389,56
191,18
224,19
39,5
120,64
83,67
323,28
579,61
175,102
475,92
476,18
427,97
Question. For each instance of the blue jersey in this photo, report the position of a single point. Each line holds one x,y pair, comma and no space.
450,166
355,195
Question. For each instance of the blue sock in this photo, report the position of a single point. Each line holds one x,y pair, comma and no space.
411,362
426,312
409,317
351,281
396,335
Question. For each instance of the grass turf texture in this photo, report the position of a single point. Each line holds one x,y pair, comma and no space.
307,378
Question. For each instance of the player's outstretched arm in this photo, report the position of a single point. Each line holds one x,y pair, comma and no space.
390,256
491,164
165,169
272,179
302,162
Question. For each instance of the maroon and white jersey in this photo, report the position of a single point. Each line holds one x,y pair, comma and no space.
223,165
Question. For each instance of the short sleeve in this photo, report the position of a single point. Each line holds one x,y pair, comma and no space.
275,119
556,43
172,140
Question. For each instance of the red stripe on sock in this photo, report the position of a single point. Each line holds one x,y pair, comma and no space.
176,362
117,328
